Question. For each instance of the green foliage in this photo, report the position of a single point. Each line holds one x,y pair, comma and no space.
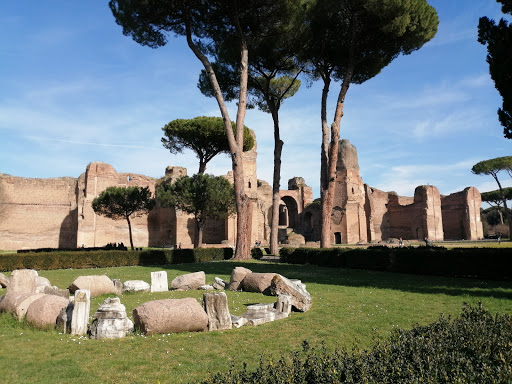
471,348
122,202
493,166
358,39
498,38
104,259
202,195
496,197
206,136
439,261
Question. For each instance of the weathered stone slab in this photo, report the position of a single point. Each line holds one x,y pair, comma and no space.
237,275
53,290
44,311
136,286
23,281
216,306
97,285
17,303
207,287
262,313
257,282
111,321
81,311
300,298
170,315
159,281
118,285
219,284
189,281
238,321
64,318
4,281
42,283
284,304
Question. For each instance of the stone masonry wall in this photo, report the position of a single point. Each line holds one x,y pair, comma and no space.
37,213
461,215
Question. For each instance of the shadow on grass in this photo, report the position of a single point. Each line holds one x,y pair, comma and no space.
310,274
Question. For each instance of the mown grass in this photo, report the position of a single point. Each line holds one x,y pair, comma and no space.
349,306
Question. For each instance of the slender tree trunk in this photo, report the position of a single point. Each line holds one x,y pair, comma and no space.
276,184
325,237
235,143
130,231
198,238
504,198
202,166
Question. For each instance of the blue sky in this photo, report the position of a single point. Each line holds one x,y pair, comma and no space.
74,90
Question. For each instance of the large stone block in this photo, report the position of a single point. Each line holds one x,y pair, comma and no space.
136,286
189,281
237,275
4,281
170,315
81,310
159,282
42,283
44,311
216,306
22,280
97,285
257,282
300,298
17,303
111,321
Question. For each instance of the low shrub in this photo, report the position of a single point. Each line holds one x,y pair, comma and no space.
486,263
475,347
80,259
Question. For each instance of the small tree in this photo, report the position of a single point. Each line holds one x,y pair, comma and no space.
124,202
495,199
498,38
493,167
206,136
202,195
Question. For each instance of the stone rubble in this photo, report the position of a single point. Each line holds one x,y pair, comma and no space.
159,282
110,320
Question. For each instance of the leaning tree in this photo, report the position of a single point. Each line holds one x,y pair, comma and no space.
205,196
351,42
204,135
272,78
202,23
498,38
124,202
493,167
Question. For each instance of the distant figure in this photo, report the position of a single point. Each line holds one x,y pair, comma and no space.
179,246
499,239
427,242
400,242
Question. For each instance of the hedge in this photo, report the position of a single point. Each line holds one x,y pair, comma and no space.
101,259
487,263
472,348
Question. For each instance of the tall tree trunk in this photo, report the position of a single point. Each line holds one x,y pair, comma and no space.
325,237
130,231
235,143
504,198
276,184
198,238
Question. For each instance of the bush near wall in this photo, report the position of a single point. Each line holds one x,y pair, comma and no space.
472,348
487,263
101,259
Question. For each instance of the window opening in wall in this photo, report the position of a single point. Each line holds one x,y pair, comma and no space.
249,185
128,178
337,237
352,190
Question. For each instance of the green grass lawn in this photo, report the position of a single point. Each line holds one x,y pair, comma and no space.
349,306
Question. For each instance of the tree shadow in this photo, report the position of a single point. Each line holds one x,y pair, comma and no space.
311,275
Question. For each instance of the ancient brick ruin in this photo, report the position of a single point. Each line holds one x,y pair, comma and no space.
57,212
